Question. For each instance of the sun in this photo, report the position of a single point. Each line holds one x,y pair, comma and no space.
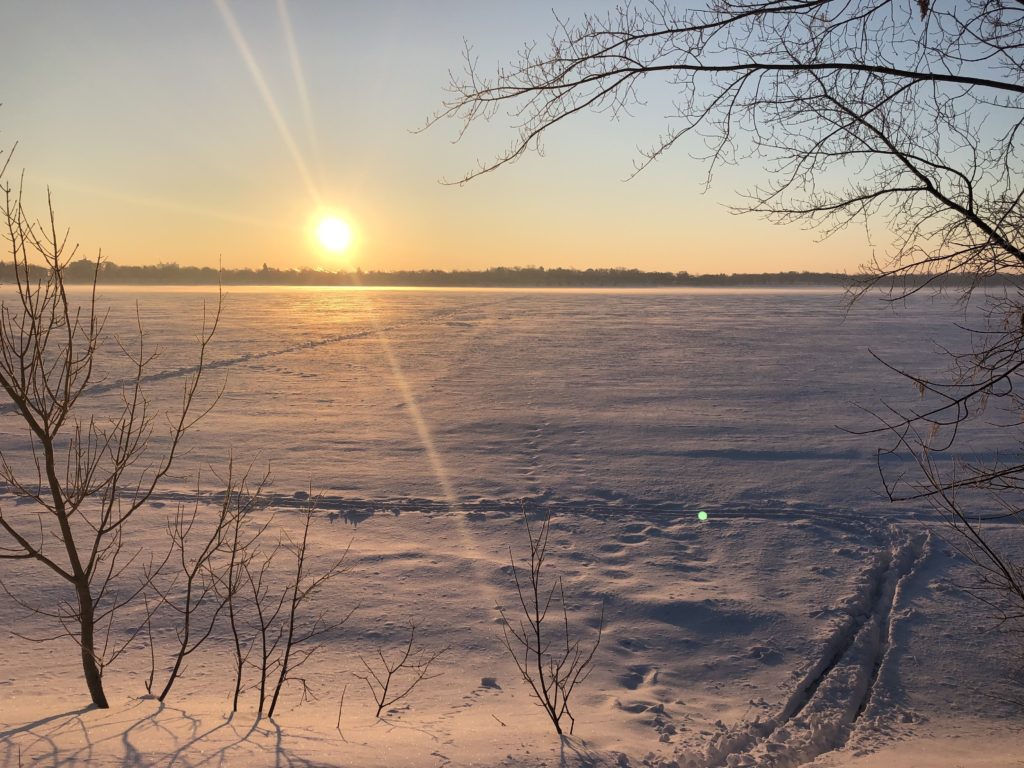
334,234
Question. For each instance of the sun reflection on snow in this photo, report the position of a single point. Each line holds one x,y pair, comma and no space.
437,466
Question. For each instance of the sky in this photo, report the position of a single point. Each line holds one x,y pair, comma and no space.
207,131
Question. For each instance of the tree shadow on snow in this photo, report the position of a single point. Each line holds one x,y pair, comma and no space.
43,721
162,736
573,752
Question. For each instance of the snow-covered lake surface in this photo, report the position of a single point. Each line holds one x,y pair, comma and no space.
673,400
808,620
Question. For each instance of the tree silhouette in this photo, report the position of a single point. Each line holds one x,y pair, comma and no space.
87,474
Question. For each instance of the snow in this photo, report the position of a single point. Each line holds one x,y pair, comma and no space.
805,622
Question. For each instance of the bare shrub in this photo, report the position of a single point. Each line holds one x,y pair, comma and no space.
548,653
242,547
225,570
390,680
208,558
285,632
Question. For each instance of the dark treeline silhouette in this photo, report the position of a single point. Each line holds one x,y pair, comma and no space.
497,277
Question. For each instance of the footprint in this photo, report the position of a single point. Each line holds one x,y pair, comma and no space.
636,707
637,675
632,538
632,644
615,573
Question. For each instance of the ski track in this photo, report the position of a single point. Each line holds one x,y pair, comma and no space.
823,712
228,362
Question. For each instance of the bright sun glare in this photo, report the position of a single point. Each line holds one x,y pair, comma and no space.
334,234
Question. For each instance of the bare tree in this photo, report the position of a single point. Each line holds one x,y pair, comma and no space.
208,580
393,679
207,577
86,474
221,569
855,109
243,547
303,627
267,606
548,653
904,116
285,631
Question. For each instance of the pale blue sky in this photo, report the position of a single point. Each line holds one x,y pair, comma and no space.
151,129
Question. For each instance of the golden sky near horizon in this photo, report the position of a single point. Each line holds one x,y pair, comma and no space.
206,131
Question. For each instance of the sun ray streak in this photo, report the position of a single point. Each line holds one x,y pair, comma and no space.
422,429
300,81
488,594
268,98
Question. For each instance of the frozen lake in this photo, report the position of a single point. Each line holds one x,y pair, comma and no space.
793,626
677,400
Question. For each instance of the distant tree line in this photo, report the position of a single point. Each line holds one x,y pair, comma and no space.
83,271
